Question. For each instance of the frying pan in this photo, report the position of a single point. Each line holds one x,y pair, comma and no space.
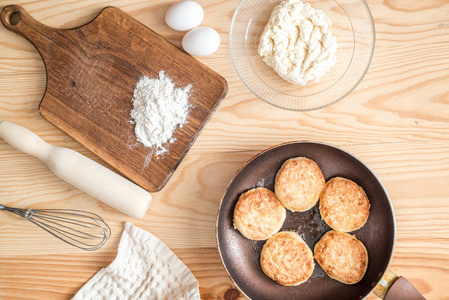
240,256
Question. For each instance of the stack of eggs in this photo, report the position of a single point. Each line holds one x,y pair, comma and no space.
187,15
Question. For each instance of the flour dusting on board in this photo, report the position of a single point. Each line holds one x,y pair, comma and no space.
158,109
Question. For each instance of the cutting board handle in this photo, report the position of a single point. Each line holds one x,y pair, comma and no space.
15,18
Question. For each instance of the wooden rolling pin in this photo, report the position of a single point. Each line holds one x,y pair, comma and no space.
80,171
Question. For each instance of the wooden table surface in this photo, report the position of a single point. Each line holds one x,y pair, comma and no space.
396,121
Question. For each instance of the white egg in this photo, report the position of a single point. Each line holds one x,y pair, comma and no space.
201,41
184,15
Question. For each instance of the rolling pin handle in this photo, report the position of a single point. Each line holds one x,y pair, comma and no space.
24,140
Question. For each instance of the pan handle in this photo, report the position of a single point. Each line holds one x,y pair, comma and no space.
394,287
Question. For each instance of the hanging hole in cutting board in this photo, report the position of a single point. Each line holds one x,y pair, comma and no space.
14,18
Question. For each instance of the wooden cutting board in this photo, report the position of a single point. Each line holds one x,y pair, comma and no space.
92,72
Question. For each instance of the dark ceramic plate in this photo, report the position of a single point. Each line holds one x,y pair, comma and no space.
241,256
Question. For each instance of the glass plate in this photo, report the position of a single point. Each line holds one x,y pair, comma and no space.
353,27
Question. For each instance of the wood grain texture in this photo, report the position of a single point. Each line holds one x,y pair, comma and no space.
92,72
396,121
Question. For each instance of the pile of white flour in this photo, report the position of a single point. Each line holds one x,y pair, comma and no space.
158,109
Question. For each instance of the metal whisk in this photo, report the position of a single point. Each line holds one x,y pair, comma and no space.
82,229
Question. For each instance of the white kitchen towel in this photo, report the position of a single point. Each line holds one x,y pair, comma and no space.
145,268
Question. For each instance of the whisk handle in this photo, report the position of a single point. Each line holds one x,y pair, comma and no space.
24,140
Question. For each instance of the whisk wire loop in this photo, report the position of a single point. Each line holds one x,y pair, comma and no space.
50,220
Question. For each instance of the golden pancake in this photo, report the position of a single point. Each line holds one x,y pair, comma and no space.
344,205
298,184
286,258
342,256
258,214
